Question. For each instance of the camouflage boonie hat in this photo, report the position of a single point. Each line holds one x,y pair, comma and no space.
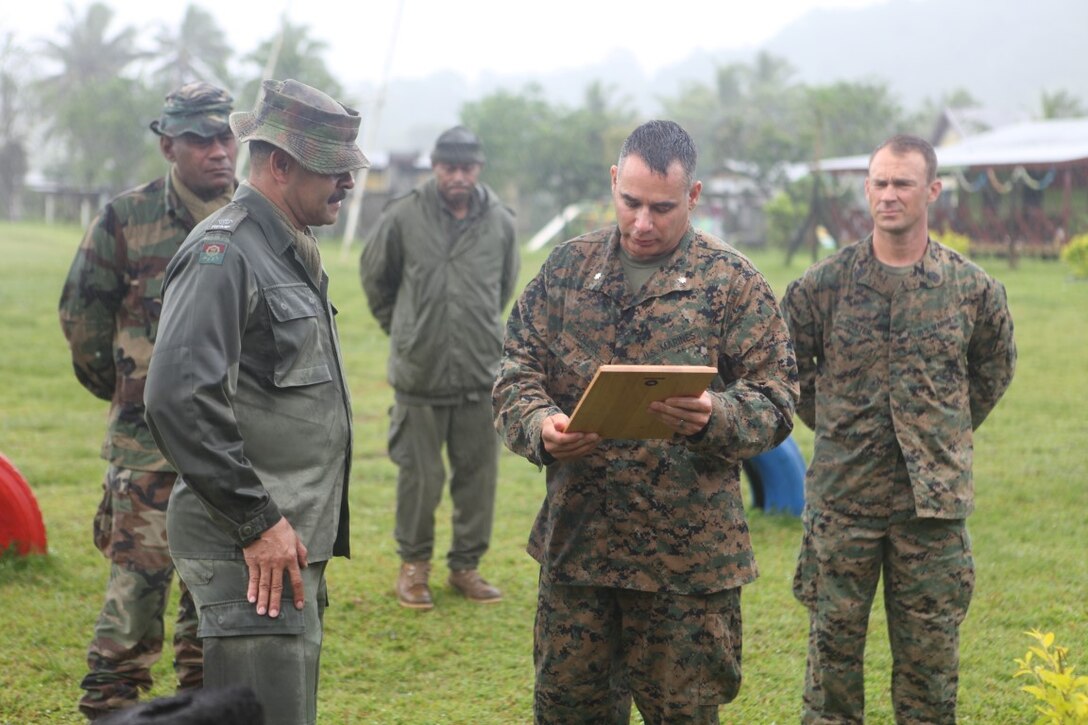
196,107
316,130
457,145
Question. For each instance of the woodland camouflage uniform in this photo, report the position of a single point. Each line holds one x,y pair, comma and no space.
896,371
109,312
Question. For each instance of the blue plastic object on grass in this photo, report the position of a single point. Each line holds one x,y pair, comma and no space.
777,478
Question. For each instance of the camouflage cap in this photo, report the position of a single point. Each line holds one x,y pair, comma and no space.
457,145
196,107
318,131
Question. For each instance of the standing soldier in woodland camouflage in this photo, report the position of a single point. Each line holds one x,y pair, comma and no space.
109,311
643,544
903,349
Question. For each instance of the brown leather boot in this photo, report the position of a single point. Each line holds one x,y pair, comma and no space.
469,583
412,589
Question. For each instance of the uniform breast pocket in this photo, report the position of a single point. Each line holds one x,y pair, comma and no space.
941,347
151,294
143,304
295,313
943,338
854,348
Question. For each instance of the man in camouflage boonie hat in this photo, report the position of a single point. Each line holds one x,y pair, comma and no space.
265,460
316,130
109,311
643,545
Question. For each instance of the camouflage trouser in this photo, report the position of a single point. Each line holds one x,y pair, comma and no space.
416,436
130,530
929,577
596,647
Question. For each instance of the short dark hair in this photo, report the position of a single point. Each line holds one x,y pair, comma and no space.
659,143
259,150
904,144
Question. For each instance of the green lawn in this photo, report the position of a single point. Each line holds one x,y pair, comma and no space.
464,663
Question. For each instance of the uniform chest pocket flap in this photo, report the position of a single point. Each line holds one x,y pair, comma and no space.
144,304
295,316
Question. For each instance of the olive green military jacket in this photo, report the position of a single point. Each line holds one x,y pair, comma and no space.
109,310
246,393
440,294
896,367
650,515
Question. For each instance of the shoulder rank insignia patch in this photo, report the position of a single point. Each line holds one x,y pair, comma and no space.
212,252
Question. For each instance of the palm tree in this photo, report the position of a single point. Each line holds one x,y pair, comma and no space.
197,50
96,114
295,55
13,155
1060,104
88,53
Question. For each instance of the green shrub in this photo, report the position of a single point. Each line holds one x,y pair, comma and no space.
783,217
1075,254
954,240
1062,696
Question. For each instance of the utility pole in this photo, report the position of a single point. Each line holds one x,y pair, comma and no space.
355,207
269,68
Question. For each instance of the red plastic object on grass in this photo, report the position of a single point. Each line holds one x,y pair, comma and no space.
21,526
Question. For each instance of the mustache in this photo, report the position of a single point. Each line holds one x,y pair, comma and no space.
338,196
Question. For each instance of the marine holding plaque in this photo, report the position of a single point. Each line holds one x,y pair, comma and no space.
633,527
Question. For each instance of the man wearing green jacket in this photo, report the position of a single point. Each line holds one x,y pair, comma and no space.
246,397
437,273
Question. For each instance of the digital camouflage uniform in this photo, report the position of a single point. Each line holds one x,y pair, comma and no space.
649,519
109,312
896,372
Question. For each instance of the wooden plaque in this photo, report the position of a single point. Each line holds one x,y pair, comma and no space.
615,405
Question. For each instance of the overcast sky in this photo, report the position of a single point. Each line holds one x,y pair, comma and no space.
468,36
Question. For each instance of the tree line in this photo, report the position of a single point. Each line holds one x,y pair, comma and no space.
754,120
82,103
87,116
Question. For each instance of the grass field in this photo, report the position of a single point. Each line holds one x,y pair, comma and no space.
464,663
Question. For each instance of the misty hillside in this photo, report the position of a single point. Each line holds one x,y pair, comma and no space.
1004,52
